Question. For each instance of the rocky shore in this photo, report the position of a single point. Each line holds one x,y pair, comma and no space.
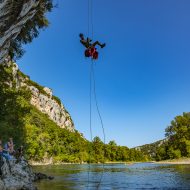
18,175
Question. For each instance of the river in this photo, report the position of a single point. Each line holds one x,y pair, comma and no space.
116,177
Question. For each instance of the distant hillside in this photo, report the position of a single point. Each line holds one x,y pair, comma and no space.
151,149
177,142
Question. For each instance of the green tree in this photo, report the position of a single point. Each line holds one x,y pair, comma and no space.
178,134
98,149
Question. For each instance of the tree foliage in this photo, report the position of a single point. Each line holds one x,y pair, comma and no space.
178,139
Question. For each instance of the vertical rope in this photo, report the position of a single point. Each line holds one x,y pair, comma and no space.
91,76
90,109
88,17
95,98
92,25
101,121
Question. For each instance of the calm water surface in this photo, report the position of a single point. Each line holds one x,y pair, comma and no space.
116,177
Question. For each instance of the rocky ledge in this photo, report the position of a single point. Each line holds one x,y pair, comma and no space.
18,174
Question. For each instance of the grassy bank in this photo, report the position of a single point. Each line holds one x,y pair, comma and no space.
175,161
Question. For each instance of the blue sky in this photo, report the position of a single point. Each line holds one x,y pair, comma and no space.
142,75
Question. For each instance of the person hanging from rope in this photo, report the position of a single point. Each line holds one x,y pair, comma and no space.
91,50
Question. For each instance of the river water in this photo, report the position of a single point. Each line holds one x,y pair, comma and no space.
116,177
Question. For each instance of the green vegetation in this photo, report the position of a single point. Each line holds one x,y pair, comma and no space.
111,152
150,149
176,144
5,75
178,139
42,138
57,99
39,87
45,139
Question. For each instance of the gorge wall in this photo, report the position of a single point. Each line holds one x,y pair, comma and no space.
41,97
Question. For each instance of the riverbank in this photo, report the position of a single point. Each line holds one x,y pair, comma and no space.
34,163
175,161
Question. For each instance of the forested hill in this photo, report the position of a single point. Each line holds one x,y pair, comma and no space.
26,110
175,145
151,149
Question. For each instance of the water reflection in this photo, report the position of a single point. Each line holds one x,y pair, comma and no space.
116,176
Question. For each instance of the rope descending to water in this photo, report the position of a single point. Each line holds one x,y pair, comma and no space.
93,90
101,121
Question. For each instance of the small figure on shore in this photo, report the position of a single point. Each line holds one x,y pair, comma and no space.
4,154
11,146
8,150
91,50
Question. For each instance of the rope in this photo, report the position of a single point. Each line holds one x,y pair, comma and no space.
101,121
88,24
91,136
91,21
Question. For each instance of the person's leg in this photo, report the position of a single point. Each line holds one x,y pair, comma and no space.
81,36
95,55
87,53
98,43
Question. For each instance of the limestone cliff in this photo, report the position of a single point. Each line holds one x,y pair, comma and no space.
19,23
41,97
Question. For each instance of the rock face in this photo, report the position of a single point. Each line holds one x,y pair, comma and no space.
16,175
51,107
42,98
12,21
